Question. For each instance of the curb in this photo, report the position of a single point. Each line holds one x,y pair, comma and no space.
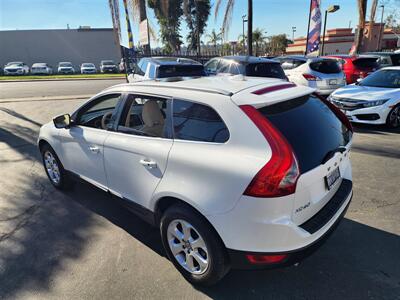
60,79
46,98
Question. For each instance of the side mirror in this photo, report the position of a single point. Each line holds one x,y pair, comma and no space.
63,121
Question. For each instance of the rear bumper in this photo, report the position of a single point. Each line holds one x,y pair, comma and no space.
239,261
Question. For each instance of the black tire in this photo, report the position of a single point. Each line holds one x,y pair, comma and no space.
389,120
218,265
65,182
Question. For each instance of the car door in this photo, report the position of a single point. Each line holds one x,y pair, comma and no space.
82,144
136,154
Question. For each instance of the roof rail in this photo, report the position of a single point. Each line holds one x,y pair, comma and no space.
198,89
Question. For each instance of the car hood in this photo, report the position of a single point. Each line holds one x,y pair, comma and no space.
365,92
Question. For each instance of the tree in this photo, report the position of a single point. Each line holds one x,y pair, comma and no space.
196,13
115,16
278,44
228,19
168,14
362,9
258,38
213,38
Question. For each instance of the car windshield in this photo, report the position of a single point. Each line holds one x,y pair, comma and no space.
383,79
180,71
88,65
108,63
366,62
15,65
273,70
65,65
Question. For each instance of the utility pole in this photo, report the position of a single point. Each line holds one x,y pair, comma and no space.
293,31
243,36
331,9
250,27
381,29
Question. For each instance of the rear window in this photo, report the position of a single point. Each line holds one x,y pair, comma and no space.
310,127
180,71
326,66
366,62
273,70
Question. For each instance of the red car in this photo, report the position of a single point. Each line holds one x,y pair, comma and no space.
355,67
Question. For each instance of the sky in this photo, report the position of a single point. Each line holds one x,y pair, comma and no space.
272,16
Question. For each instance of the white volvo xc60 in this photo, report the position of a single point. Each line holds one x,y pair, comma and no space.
236,172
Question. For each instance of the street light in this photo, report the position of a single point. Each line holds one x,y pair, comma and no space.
243,21
331,9
293,31
380,29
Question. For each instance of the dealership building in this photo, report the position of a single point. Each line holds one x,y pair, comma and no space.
56,45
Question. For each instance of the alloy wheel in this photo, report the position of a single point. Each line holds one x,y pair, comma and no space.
52,167
394,117
187,246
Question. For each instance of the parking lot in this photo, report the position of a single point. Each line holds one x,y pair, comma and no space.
84,244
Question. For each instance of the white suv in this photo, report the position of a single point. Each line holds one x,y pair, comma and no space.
215,163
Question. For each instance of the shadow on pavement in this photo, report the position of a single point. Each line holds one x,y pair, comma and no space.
374,129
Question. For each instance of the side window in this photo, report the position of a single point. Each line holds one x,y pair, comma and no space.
152,71
99,113
287,64
197,122
234,69
146,116
143,67
211,66
138,67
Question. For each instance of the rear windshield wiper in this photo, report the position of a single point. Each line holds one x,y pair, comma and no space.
331,153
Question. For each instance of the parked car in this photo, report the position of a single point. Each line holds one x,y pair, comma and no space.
235,173
65,68
16,68
151,68
385,59
245,65
373,100
355,67
88,68
108,66
323,74
41,68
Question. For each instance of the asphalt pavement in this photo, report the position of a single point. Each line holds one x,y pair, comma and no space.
83,244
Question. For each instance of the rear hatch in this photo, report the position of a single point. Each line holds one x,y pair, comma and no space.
320,142
363,66
264,69
329,73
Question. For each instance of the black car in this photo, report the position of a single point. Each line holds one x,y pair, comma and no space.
245,65
385,59
108,66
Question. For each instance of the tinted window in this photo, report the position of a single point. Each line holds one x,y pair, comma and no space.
273,70
366,62
152,71
224,66
326,66
211,66
146,116
180,71
395,58
197,122
310,127
383,78
92,114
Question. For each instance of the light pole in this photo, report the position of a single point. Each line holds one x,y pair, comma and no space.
293,31
380,29
331,9
243,21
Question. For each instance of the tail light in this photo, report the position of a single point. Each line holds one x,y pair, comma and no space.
310,77
279,176
342,117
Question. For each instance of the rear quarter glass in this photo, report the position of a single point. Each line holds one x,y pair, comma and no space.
311,128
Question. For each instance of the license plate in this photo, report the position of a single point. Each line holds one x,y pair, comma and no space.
332,178
333,82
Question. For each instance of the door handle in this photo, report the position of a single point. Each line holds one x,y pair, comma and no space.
94,149
148,163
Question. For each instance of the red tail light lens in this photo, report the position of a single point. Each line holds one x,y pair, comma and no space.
310,77
279,176
266,259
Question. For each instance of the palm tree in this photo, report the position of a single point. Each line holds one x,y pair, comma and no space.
115,16
213,38
362,9
228,18
258,38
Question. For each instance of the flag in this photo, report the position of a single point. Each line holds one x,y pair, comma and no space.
314,34
128,25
